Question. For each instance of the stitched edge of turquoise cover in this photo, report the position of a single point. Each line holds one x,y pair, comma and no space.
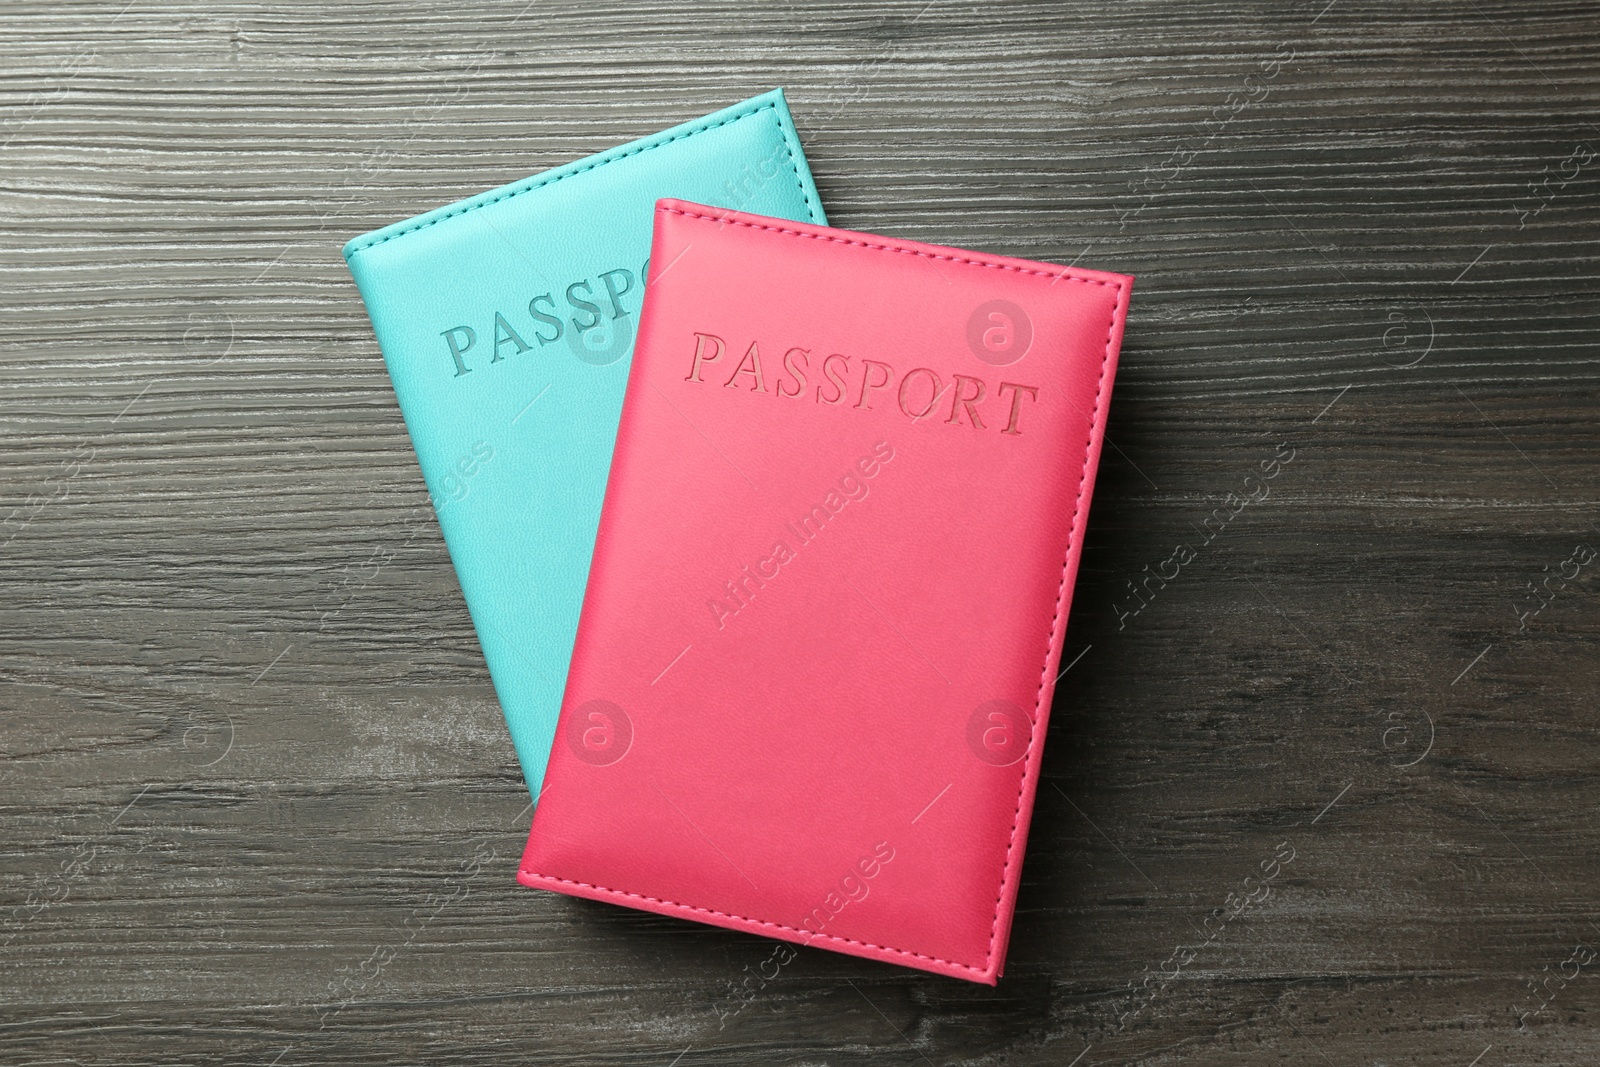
506,322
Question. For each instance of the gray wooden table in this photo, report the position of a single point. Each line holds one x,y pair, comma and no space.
259,805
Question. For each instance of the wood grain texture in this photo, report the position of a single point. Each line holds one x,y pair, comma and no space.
260,806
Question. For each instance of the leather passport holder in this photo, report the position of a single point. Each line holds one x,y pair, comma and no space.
507,322
825,615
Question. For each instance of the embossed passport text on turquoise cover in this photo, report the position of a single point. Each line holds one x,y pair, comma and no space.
507,322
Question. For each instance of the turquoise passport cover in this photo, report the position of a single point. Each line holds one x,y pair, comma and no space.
506,322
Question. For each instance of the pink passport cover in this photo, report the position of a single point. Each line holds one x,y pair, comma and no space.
822,628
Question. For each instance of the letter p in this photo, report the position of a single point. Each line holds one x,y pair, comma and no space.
613,292
700,357
457,347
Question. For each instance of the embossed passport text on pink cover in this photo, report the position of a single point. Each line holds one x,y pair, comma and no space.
822,628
